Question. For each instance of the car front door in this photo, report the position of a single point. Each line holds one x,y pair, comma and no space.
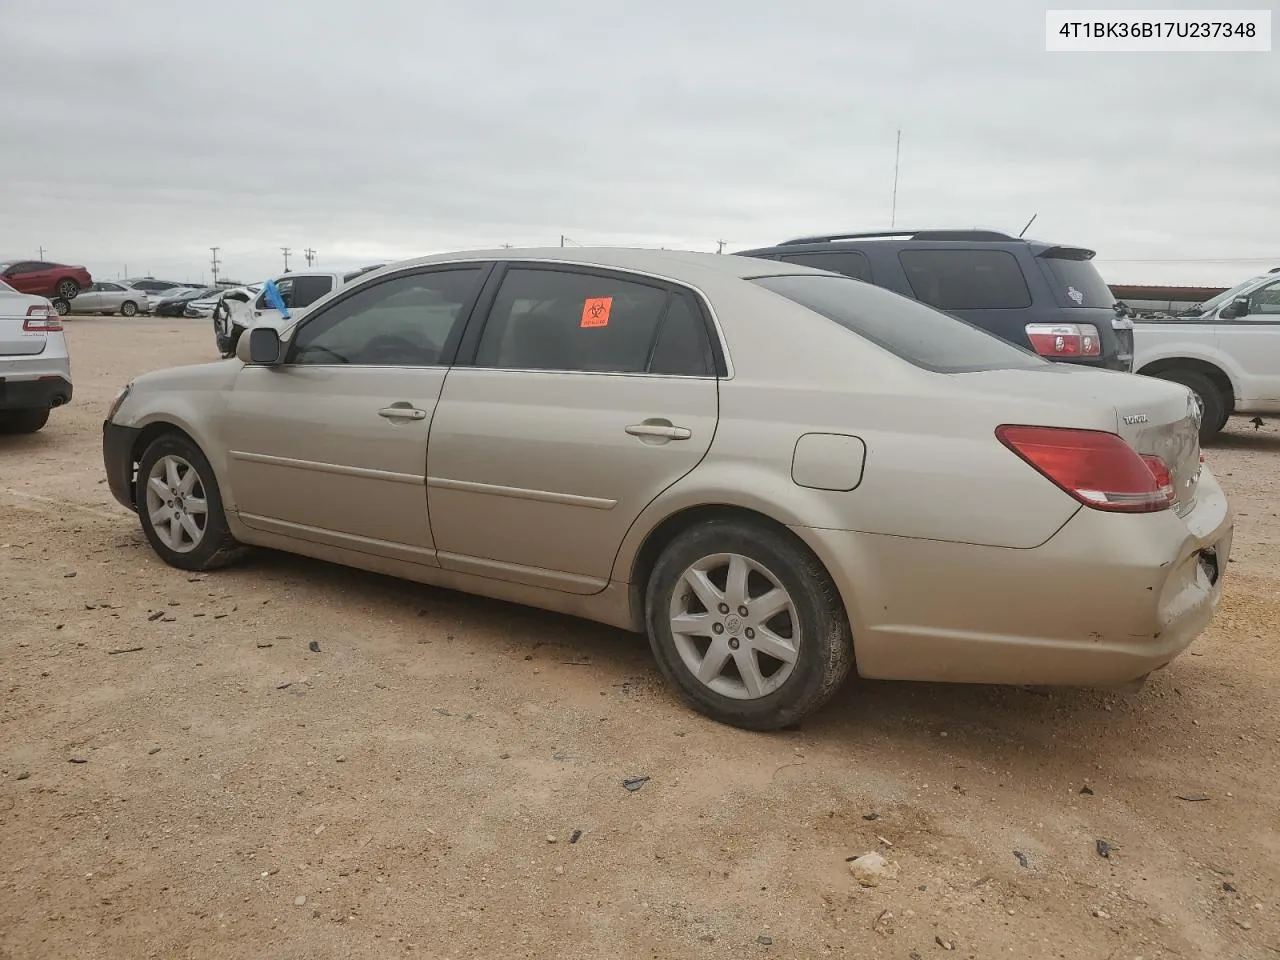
24,277
330,446
586,394
1254,341
88,299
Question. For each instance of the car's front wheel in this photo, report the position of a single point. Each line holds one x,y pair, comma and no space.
180,506
747,624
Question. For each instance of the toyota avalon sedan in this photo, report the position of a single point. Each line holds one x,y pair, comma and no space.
781,475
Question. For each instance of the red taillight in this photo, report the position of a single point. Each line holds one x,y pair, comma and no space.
1098,469
1064,339
42,320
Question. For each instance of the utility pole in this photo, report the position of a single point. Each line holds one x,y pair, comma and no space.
309,254
720,245
41,249
562,239
897,153
214,262
285,251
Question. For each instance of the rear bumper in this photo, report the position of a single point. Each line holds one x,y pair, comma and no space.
34,392
117,458
1104,602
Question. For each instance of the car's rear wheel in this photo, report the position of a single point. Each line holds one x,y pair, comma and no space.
128,308
1215,410
68,288
23,421
747,624
180,506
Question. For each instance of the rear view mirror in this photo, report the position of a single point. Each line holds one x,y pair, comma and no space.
1239,307
264,345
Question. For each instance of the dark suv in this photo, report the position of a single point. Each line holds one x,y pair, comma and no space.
1045,297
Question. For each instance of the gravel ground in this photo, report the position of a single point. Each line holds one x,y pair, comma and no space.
415,788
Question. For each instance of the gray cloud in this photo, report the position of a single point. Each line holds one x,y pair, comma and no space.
141,134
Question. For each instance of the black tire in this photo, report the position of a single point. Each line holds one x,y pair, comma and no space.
825,649
217,547
1217,409
128,309
23,421
68,288
62,306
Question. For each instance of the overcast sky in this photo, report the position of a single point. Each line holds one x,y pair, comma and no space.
135,135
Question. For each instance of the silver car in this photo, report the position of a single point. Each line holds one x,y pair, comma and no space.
109,297
781,475
35,369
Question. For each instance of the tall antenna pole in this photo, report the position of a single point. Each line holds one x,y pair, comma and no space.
285,251
897,153
214,262
1029,223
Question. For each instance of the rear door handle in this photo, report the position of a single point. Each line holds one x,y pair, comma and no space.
402,412
659,430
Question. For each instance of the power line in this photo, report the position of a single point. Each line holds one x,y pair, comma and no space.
1200,260
215,263
309,254
285,251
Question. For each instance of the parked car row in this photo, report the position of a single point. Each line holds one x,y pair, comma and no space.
782,475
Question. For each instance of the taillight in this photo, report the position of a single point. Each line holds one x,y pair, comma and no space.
42,319
1098,469
1064,339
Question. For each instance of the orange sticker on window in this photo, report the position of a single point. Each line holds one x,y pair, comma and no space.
596,310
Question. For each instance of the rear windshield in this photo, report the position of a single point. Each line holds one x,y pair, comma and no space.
1077,282
910,330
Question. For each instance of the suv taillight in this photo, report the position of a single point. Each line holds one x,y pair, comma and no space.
1064,339
42,320
1098,469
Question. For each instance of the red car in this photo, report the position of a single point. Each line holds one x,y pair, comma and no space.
44,279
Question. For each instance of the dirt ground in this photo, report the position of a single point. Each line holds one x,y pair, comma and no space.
415,788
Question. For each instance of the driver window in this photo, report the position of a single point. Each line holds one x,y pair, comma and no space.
400,322
1265,302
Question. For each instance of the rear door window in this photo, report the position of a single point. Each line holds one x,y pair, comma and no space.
571,321
682,348
911,331
966,279
1075,280
307,290
849,262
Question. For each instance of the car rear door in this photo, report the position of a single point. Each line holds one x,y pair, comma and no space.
584,395
331,445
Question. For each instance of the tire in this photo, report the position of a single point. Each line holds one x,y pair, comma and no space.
128,309
62,306
779,694
23,421
175,544
68,288
1217,411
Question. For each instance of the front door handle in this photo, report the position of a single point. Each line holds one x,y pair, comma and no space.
659,430
402,411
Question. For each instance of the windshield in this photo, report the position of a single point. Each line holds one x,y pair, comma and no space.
1225,297
919,334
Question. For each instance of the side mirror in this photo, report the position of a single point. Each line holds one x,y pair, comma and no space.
1239,307
264,346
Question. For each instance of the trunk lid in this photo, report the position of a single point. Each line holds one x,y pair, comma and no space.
14,340
1155,417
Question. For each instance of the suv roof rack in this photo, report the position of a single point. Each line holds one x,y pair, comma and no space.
970,235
